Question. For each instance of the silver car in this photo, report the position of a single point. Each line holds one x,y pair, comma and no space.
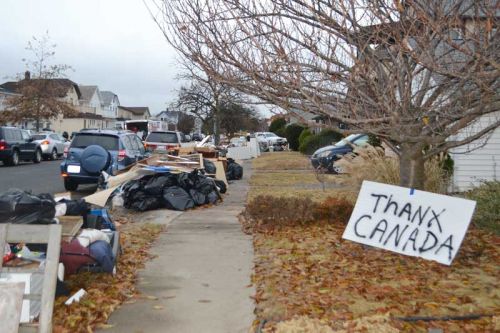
52,144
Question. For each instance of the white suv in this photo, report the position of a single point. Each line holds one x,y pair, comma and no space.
277,142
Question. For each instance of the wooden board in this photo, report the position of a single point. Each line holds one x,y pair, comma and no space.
11,300
50,235
220,174
70,225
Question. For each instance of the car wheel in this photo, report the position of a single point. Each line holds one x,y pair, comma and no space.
335,169
38,156
14,159
70,185
53,155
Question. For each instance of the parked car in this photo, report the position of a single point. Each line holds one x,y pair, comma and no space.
163,141
94,151
277,142
52,144
16,145
325,157
197,136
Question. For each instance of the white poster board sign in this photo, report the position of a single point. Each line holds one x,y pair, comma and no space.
410,222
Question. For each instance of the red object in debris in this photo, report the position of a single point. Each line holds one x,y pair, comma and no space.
8,257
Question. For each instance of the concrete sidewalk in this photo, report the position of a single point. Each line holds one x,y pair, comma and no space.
201,277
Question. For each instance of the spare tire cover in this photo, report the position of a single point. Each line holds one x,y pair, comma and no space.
94,159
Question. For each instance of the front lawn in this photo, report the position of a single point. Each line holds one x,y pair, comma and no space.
306,275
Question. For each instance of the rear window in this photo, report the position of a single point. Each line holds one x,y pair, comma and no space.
107,142
163,137
39,137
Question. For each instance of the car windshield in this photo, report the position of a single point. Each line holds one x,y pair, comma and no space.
39,137
107,142
271,135
163,137
346,139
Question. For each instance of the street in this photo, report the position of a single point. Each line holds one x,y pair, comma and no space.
39,178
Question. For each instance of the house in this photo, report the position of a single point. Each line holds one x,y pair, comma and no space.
133,113
67,91
4,96
90,99
171,118
314,122
109,104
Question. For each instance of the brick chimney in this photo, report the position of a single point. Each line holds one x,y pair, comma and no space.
27,75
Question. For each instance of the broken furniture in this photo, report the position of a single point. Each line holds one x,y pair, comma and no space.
43,275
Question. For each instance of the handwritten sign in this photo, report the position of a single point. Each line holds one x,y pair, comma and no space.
410,222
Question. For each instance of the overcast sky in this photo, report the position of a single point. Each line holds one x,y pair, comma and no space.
113,44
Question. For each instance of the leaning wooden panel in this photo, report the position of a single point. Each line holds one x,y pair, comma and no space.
50,235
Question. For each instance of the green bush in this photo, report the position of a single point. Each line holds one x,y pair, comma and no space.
324,138
305,133
292,133
374,140
280,132
487,214
277,124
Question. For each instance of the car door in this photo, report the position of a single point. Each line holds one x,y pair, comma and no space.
134,139
26,145
58,143
129,149
141,151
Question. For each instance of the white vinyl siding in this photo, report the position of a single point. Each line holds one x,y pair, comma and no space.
481,164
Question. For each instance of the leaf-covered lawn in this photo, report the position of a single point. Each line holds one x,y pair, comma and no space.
310,272
104,291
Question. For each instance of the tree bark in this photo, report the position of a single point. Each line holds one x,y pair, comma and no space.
411,166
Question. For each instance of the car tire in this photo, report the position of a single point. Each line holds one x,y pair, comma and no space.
53,154
334,169
38,156
14,159
70,185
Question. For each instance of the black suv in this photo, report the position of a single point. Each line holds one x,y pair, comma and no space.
94,151
16,145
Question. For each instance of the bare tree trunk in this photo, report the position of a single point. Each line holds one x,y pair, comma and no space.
411,166
38,120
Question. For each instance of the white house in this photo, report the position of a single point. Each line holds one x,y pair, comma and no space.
109,104
90,98
478,161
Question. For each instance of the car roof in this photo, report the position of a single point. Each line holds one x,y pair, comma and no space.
164,132
104,131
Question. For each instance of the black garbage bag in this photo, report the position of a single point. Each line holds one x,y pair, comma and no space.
18,206
155,185
234,170
177,198
221,185
147,203
205,185
212,197
130,190
198,197
187,180
77,208
209,166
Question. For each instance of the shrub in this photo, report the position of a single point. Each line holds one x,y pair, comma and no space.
280,132
266,210
292,133
374,140
334,210
277,124
324,138
305,133
487,214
